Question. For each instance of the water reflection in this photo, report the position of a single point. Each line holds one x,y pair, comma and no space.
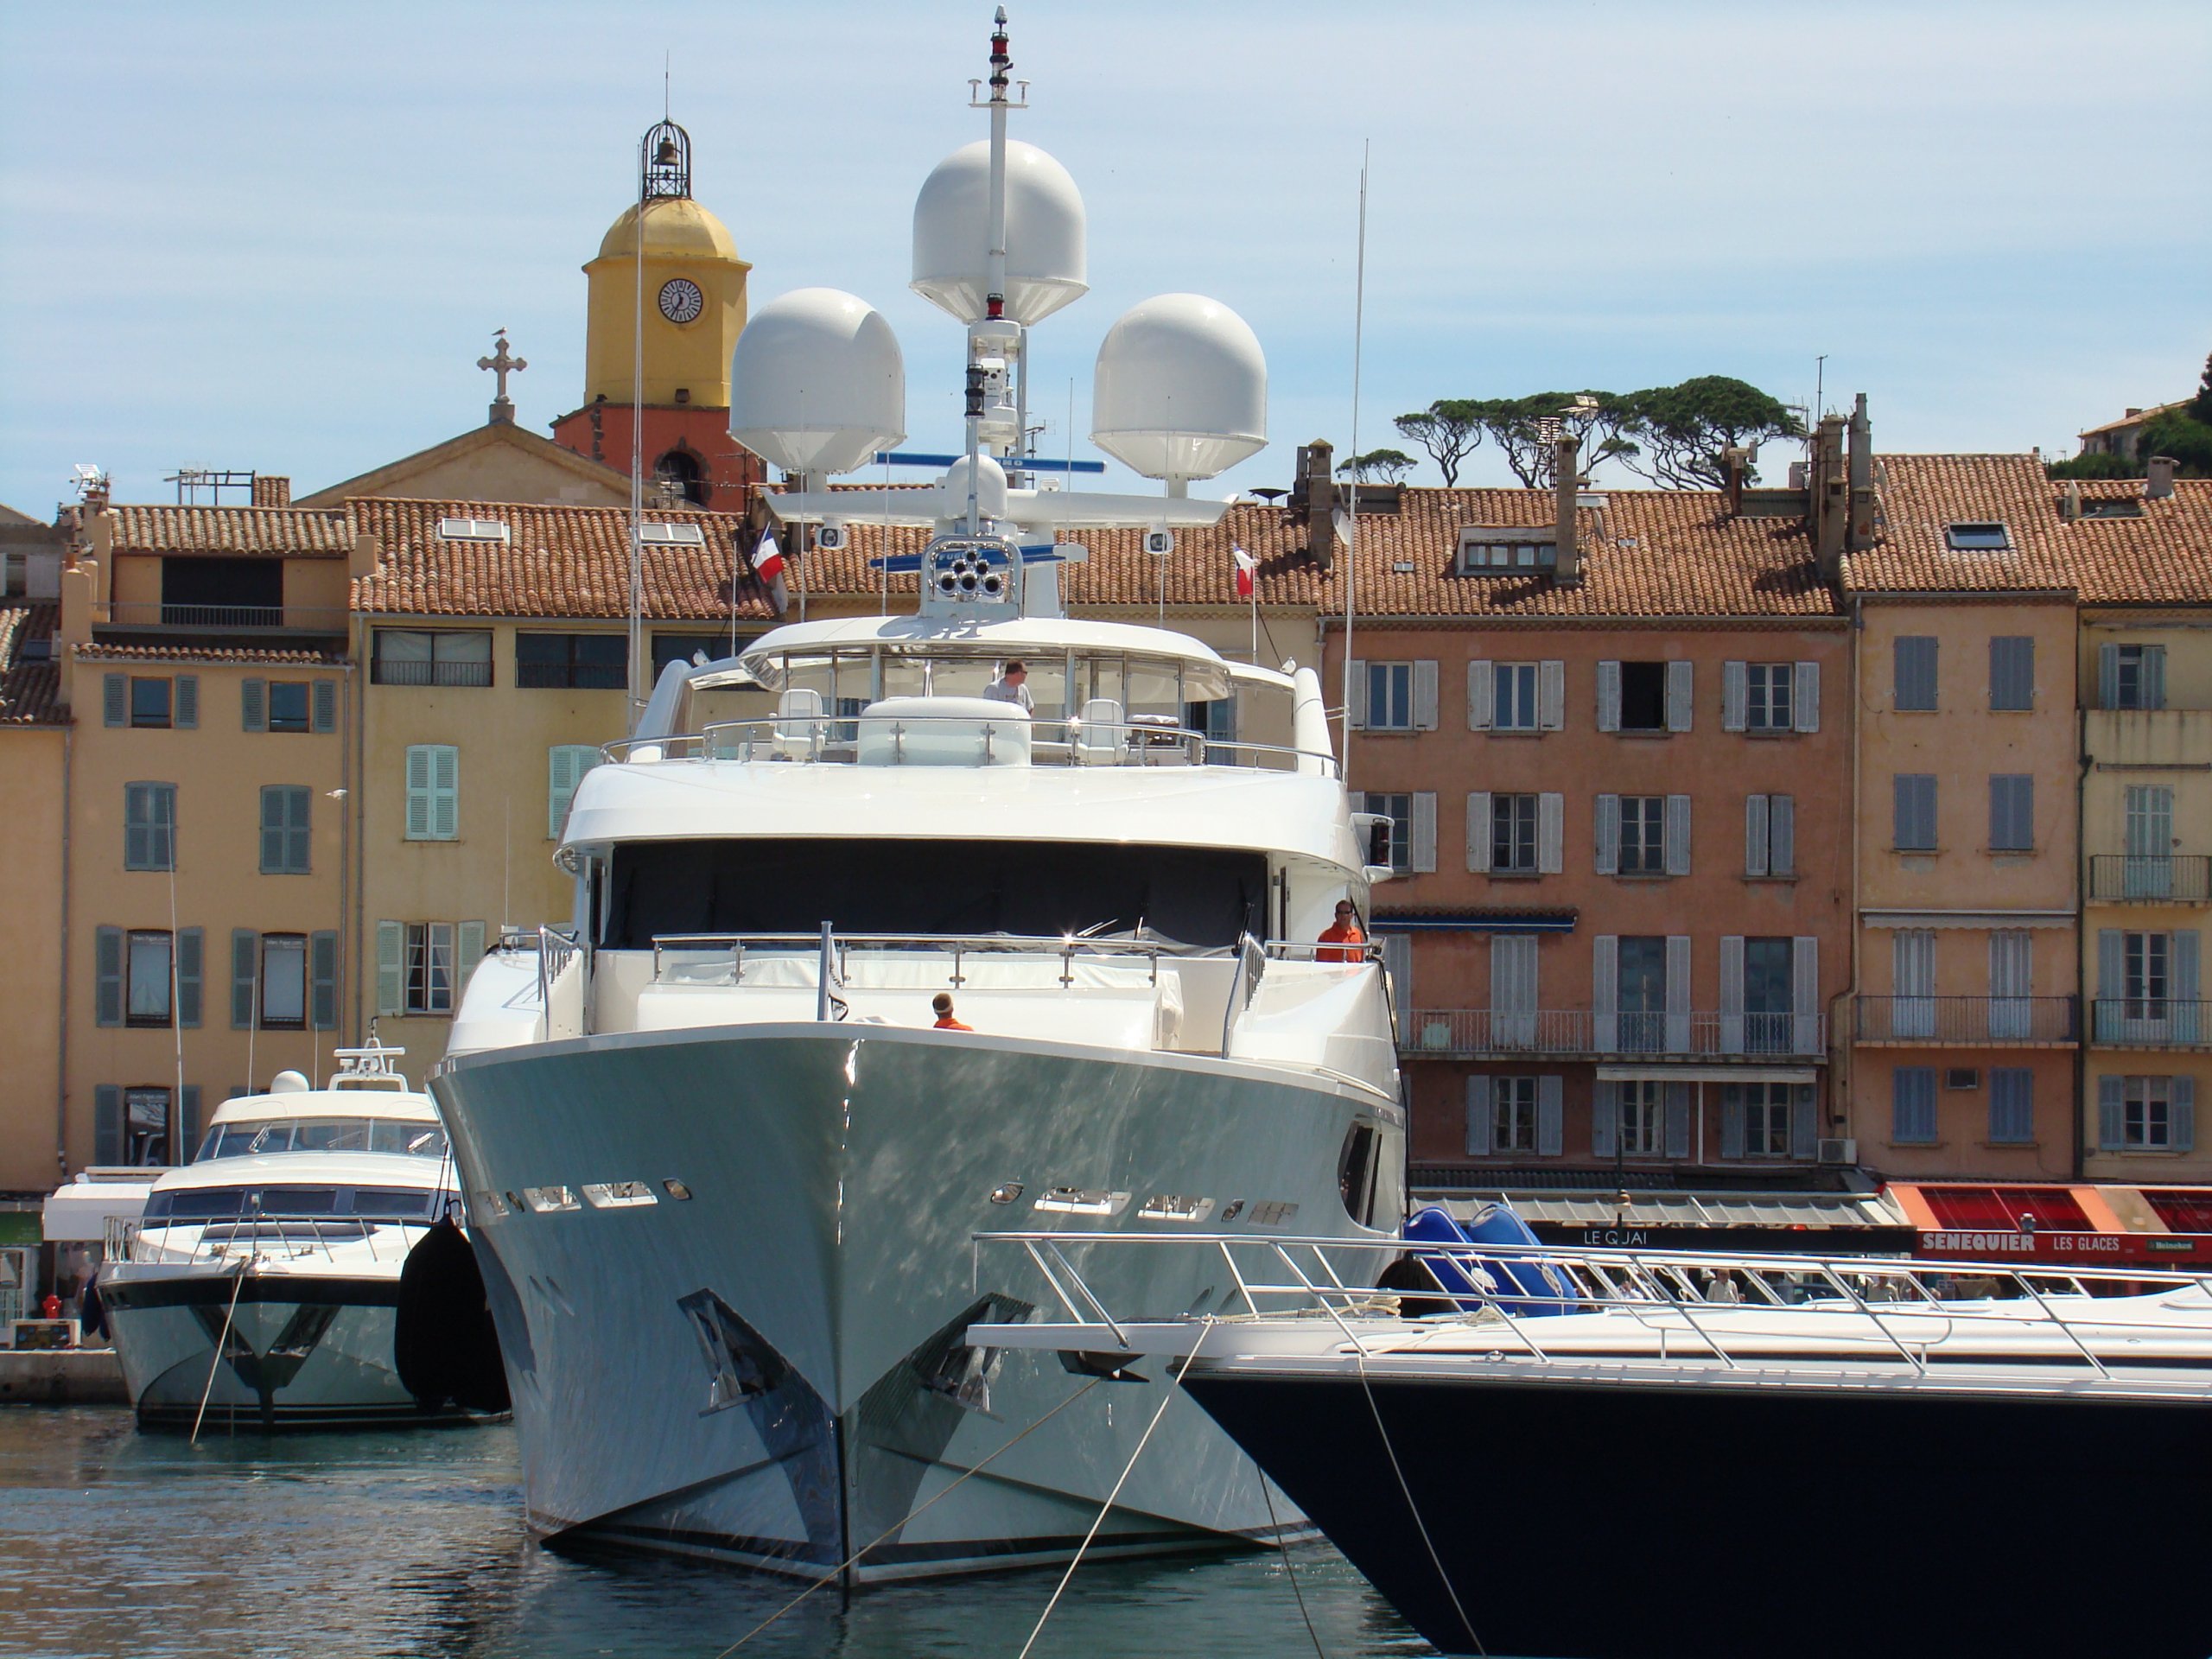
113,1543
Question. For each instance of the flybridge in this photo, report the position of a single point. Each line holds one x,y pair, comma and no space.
819,386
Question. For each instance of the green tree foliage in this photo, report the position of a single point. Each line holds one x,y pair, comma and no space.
2095,465
1682,430
1449,430
1379,466
2189,441
2200,407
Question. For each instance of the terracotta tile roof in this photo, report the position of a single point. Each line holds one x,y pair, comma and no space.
29,692
212,656
2164,557
287,532
1922,495
558,561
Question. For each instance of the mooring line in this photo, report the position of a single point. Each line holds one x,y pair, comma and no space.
1359,1358
839,1573
221,1342
1282,1543
1107,1508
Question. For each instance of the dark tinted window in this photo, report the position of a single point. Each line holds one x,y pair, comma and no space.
1644,697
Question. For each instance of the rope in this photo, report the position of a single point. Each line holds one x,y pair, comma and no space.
840,1572
221,1342
1282,1543
1105,1509
1359,1358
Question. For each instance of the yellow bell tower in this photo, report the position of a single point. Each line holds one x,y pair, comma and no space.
690,285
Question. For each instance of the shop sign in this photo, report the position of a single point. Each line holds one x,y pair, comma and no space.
2057,1246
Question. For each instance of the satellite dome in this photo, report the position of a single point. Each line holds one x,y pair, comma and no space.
817,382
1045,235
1180,388
990,489
289,1082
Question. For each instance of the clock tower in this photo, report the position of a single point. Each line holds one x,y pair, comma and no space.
666,303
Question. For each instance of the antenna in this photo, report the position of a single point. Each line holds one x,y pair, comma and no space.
1351,519
638,434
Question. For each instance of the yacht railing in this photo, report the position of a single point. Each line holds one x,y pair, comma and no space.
838,947
1734,1310
271,1238
834,740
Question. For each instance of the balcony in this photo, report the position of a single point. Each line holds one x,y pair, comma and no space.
1583,1033
1969,1021
150,613
2151,1022
2127,879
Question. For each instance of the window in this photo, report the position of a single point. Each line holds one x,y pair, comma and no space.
1770,835
149,980
429,968
1394,840
1644,836
1767,705
446,657
149,826
575,662
472,530
684,647
2012,672
286,842
1644,697
1913,687
1513,834
149,703
1643,1120
2147,1113
1769,1006
288,706
566,764
1977,538
1912,1106
2011,1106
2012,812
2132,676
680,478
1914,816
1766,1107
433,791
1643,994
2147,958
1506,550
1513,705
1513,1107
1389,697
146,1121
284,981
668,535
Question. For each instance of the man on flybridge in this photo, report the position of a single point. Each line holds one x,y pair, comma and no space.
1013,686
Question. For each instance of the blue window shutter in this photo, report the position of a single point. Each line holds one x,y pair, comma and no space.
445,803
253,705
1782,843
1680,694
2154,676
187,707
115,699
1735,696
2108,677
2011,1105
2112,1128
419,772
467,951
1675,1098
107,972
1551,1115
1605,1118
107,1124
2182,1115
163,839
1677,835
246,960
1804,1121
2186,1013
1732,1120
189,952
1608,696
391,968
138,833
188,1126
1805,699
2112,983
325,705
272,829
1479,1117
322,967
300,830
1607,823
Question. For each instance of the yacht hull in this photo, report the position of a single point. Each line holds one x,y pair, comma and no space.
773,1370
298,1351
1609,1521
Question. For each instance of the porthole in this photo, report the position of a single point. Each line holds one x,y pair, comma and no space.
675,1190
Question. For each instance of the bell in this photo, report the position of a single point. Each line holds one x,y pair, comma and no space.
666,154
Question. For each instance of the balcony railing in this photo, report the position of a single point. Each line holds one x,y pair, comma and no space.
2125,877
2152,1022
386,671
160,613
1472,1033
1989,1022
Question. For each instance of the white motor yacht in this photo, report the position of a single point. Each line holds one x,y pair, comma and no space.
261,1287
723,1152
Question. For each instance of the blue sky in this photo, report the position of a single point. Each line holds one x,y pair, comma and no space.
278,237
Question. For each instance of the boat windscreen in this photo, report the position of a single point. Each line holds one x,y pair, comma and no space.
1189,895
204,1203
407,1137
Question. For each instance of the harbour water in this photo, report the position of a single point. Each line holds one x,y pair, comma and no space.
116,1543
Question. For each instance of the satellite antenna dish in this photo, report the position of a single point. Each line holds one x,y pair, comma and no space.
817,383
1180,390
1045,235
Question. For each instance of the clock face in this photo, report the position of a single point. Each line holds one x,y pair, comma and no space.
681,300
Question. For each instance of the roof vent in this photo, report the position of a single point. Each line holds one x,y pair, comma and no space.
670,536
2157,477
1981,537
473,529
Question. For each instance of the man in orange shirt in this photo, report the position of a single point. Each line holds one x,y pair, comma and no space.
942,1003
1344,931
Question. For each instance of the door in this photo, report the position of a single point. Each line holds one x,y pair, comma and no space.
2012,971
2149,831
1643,1004
1912,1009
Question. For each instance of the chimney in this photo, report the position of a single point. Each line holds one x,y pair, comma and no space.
1738,462
1831,498
2070,505
1320,484
2157,477
1862,533
362,563
76,627
271,490
1566,484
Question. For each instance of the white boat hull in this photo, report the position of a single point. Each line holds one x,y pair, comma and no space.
747,1372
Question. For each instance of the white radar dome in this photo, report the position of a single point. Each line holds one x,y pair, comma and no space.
990,489
817,384
1045,266
1180,388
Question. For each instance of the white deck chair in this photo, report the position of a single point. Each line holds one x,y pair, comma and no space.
799,723
1099,735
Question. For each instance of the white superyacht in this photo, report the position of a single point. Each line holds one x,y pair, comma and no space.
723,1152
260,1290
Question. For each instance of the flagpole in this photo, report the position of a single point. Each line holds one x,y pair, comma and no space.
1351,519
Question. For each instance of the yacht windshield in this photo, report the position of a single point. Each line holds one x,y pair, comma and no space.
1188,895
403,1136
279,1203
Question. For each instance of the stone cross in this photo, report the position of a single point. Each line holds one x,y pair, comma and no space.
502,365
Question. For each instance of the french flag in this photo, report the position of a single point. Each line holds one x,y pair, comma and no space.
1247,567
768,559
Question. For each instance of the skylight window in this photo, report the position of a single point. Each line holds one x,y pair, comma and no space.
2123,507
1978,538
472,530
670,536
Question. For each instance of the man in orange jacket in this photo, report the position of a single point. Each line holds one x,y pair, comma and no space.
942,1003
1342,932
